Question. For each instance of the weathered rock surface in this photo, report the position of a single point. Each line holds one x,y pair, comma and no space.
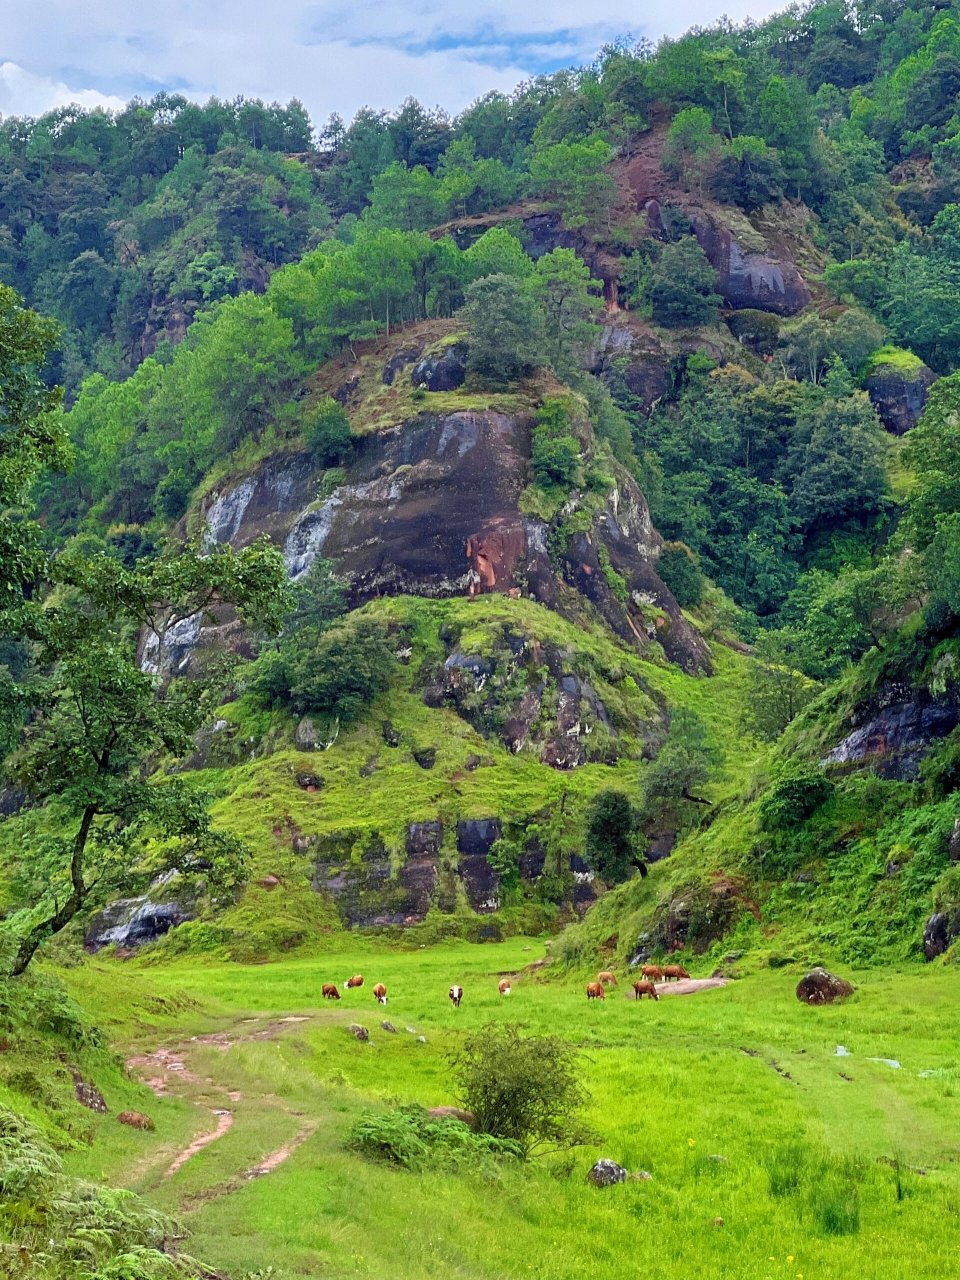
940,931
820,986
132,922
899,394
895,729
759,281
87,1094
444,371
358,1032
606,1173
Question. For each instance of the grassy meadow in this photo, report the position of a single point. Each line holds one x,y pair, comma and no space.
770,1156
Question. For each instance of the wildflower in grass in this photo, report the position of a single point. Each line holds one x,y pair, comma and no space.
789,1257
691,1142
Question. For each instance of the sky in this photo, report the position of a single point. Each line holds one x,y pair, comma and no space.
334,55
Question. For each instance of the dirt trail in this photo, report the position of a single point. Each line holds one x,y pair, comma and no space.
224,1121
166,1072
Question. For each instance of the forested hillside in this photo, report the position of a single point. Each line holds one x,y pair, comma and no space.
586,426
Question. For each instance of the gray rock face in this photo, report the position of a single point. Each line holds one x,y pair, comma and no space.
443,372
132,922
955,842
358,1032
899,396
606,1173
306,736
753,280
480,881
940,931
894,741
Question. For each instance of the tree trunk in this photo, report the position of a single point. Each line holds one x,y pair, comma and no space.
60,919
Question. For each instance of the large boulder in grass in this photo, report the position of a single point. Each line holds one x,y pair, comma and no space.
820,986
606,1173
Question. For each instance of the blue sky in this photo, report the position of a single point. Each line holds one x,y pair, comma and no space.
332,54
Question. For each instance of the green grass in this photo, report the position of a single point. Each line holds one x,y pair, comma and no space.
811,1147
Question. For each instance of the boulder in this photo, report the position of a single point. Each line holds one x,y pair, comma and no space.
358,1032
452,1113
606,1173
388,1026
820,986
898,389
88,1095
939,932
444,371
426,757
391,736
309,781
136,1120
954,847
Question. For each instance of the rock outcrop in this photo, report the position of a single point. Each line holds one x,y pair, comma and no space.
898,389
759,281
820,986
606,1173
130,923
940,932
895,729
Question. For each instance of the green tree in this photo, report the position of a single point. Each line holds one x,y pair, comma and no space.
506,328
776,691
610,841
326,433
573,177
692,149
525,1089
570,301
687,758
337,671
683,286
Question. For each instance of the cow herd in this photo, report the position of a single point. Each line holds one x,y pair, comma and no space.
646,986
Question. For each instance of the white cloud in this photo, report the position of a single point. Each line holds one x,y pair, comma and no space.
24,93
335,55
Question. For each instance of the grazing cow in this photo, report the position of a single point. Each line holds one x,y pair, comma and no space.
456,995
595,991
504,986
608,978
652,972
329,991
642,989
380,993
677,971
355,981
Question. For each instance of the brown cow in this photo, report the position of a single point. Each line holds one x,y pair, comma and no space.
595,991
652,972
329,991
456,995
380,993
671,971
642,989
355,981
607,977
504,986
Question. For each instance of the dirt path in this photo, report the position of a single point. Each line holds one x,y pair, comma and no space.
166,1071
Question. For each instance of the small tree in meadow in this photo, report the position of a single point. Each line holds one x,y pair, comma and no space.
523,1088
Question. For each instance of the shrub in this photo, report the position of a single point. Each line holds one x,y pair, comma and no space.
609,836
682,284
326,433
793,798
413,1139
525,1089
339,671
679,568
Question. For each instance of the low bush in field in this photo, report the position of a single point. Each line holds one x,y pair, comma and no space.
413,1139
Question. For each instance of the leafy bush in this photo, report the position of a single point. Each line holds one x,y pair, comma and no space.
326,433
679,568
525,1089
793,798
334,672
609,836
413,1139
682,286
